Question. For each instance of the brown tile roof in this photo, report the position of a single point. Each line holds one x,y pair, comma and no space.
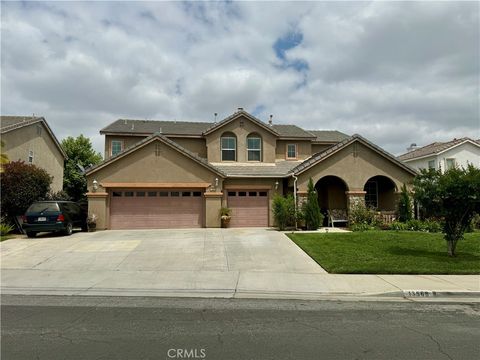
328,135
235,115
279,169
148,127
337,147
9,123
433,148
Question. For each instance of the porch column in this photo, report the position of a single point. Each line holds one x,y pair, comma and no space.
301,198
213,203
97,205
355,197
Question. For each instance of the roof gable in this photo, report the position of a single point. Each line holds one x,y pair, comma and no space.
150,139
10,123
319,157
241,113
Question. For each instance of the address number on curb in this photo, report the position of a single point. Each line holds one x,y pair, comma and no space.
419,293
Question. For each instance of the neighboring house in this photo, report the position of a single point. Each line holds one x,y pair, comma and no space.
168,174
30,139
444,155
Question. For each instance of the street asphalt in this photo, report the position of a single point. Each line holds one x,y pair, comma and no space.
66,327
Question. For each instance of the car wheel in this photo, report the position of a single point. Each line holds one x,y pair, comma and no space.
69,229
31,234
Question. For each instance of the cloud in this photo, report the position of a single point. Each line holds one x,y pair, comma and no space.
396,73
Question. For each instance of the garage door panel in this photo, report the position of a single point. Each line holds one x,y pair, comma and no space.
248,210
157,212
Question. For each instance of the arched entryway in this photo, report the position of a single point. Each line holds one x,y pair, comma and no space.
331,194
380,193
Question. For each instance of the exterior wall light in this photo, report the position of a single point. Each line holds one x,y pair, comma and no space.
276,185
95,185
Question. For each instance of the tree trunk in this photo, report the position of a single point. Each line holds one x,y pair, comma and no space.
451,245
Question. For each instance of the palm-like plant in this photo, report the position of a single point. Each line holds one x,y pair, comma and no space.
3,158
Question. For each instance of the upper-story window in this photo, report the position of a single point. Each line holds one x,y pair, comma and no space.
291,151
431,164
449,164
229,147
116,147
254,147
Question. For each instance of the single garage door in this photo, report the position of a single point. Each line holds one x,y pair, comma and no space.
156,209
249,208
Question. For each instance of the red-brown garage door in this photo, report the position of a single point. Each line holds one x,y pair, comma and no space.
156,209
249,208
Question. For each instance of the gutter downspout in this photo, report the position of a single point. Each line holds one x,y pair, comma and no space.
295,178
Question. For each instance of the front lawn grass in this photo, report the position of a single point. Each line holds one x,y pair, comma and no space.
390,252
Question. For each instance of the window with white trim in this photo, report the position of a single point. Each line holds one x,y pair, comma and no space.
291,151
449,164
229,148
431,164
254,148
116,147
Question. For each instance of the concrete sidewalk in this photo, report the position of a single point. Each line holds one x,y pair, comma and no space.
235,284
252,263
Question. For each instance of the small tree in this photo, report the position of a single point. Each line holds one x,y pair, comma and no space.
453,196
404,205
284,211
311,209
22,184
79,151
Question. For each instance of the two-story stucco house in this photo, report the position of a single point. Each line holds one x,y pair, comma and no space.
167,174
444,155
30,139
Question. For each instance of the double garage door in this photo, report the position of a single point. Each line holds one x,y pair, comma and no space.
156,209
249,208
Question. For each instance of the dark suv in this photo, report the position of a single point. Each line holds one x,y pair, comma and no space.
57,216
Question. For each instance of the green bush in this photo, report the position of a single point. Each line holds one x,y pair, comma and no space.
311,210
417,225
5,228
284,211
361,217
404,205
22,184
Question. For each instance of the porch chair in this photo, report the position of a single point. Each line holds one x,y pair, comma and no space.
337,216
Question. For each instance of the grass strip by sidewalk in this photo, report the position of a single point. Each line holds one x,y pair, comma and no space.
390,252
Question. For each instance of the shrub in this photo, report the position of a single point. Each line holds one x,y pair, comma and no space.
404,205
311,209
417,225
22,184
5,228
284,211
362,227
361,217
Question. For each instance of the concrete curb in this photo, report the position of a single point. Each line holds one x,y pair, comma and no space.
410,295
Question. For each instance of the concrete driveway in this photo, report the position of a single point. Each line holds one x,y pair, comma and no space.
214,261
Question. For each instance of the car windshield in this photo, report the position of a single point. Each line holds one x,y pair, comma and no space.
41,207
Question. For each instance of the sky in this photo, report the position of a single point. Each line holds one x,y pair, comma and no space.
395,72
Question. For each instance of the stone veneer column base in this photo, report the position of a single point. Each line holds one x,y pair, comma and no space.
355,197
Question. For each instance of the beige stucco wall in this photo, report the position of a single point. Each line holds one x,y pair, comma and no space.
304,149
268,140
127,141
213,203
316,148
254,183
46,154
356,164
196,146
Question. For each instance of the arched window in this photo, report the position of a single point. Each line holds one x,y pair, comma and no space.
254,147
228,147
